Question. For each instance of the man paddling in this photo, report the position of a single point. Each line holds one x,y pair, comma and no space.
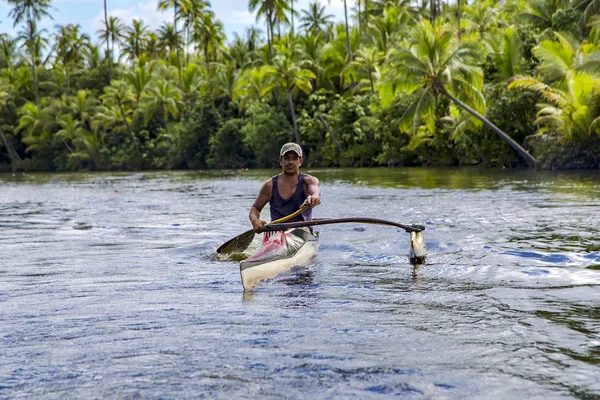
287,191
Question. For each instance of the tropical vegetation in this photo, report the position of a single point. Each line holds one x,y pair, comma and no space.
395,83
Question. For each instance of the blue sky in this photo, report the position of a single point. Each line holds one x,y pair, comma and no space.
89,13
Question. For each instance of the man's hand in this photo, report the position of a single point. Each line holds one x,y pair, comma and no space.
312,201
257,224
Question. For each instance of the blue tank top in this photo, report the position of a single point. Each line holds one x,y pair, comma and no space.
281,207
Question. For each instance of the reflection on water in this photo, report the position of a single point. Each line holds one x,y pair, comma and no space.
110,287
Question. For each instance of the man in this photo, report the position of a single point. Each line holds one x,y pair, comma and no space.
288,191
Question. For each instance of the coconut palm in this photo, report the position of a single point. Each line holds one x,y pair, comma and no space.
209,32
31,11
133,40
119,106
112,34
367,63
315,19
165,5
191,11
590,8
252,85
288,75
164,98
85,143
70,45
437,64
265,9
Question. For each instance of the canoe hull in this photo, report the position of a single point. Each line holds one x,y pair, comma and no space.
292,248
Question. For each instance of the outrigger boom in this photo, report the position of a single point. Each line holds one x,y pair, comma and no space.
326,221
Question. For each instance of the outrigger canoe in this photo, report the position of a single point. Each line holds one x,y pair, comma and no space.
280,251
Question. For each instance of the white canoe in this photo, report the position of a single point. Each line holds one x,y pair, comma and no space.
279,252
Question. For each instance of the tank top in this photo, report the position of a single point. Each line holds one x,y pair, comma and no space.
281,207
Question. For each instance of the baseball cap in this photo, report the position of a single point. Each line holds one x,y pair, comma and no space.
290,147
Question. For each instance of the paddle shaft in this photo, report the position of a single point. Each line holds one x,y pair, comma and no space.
285,226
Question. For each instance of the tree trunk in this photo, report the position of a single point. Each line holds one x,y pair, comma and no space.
292,7
270,36
177,46
108,51
458,3
347,32
371,79
522,152
207,60
14,156
33,63
337,144
359,12
67,78
135,144
291,102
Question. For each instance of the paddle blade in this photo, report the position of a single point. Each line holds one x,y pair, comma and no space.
418,250
237,244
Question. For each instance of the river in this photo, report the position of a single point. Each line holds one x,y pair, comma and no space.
110,288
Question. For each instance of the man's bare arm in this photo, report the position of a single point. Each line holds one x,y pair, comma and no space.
313,191
261,200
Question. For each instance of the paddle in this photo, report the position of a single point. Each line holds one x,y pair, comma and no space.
241,242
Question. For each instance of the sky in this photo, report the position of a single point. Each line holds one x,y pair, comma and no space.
89,14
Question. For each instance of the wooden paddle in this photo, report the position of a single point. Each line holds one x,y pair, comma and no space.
276,226
241,242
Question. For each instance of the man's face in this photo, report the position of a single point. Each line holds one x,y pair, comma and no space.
290,161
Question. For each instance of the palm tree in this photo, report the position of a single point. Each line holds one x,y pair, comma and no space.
164,98
119,93
108,53
288,75
266,9
165,5
590,8
110,35
435,65
210,33
569,86
347,32
134,40
367,62
191,11
86,145
252,85
31,11
315,19
70,47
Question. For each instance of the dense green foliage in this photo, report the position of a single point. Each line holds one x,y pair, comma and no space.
403,85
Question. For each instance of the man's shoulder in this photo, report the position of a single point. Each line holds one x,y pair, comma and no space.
309,179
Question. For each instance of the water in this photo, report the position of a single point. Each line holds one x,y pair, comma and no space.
110,288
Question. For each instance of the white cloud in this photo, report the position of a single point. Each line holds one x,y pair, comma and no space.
337,4
144,11
237,17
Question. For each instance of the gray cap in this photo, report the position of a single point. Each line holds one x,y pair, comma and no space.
290,147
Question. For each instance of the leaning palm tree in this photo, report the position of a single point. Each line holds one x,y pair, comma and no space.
290,76
31,11
437,64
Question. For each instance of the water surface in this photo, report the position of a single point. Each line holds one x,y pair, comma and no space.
110,288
